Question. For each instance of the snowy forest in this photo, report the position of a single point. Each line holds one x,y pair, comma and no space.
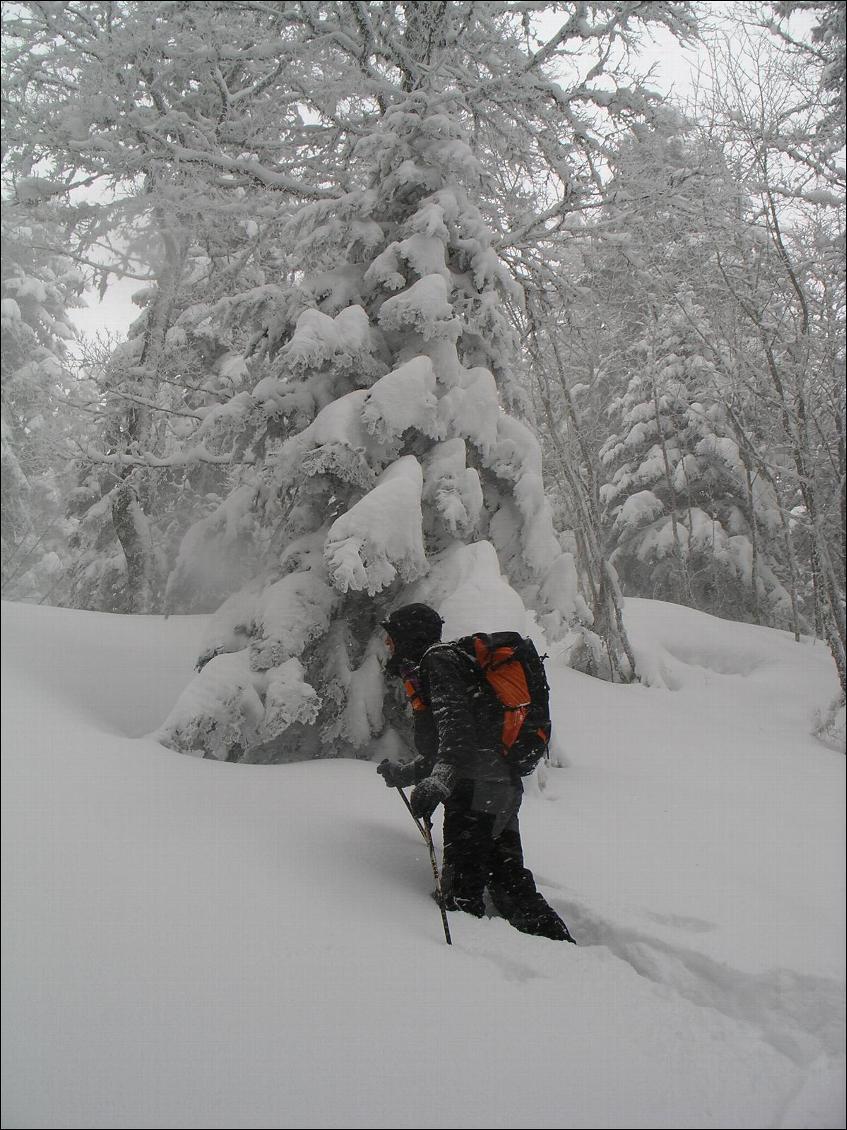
531,312
430,298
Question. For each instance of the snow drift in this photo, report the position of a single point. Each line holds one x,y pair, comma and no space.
189,943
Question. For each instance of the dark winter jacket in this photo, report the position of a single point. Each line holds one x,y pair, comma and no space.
458,737
465,714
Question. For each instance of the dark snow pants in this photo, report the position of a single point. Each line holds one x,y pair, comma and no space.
475,857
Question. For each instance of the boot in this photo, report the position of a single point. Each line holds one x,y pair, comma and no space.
461,898
537,917
472,906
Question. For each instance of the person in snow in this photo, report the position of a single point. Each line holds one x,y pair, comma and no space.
457,729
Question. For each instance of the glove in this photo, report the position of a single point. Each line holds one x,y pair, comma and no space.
388,771
397,776
432,791
426,797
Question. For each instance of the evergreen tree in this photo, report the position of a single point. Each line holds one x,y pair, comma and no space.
385,466
652,343
389,467
686,513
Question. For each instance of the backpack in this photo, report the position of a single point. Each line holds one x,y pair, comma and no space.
513,669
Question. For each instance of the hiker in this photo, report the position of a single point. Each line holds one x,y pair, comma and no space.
458,725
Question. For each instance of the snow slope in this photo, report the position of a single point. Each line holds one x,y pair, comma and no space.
189,943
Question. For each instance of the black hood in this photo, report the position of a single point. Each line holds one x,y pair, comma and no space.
413,628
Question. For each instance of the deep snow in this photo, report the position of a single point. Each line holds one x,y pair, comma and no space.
189,943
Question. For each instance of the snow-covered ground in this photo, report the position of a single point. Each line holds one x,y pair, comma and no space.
189,943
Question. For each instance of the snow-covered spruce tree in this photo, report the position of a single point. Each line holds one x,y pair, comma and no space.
685,511
404,478
648,252
645,301
385,466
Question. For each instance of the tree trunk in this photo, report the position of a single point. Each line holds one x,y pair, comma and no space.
132,528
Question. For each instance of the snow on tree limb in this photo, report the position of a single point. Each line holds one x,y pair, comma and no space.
452,487
402,399
291,613
424,306
379,537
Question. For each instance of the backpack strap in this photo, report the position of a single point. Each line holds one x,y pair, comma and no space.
413,688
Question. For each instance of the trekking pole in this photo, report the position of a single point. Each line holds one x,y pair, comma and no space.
438,892
425,830
418,824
